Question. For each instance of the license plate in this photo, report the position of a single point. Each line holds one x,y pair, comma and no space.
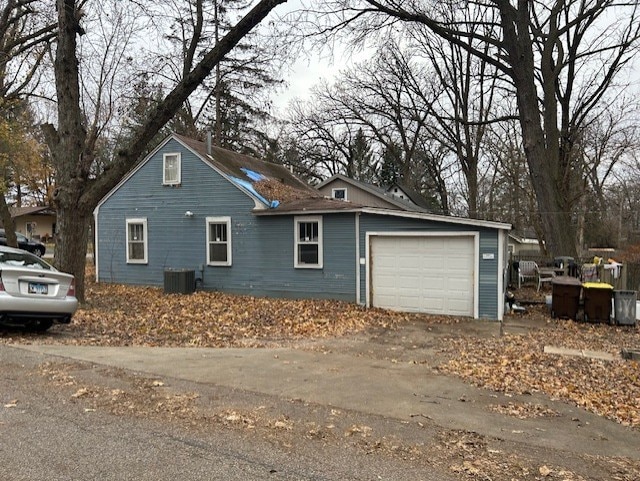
36,288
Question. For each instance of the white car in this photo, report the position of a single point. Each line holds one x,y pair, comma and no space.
33,293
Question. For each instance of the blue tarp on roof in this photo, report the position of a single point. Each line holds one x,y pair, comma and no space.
253,176
249,186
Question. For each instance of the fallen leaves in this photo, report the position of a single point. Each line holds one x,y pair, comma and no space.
275,190
146,397
130,315
518,364
82,392
524,410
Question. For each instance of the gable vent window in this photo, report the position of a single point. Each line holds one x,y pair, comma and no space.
308,242
340,194
171,169
219,241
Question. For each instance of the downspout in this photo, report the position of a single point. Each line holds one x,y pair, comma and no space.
357,257
501,274
95,241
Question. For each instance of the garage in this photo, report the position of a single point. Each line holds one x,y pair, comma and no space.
418,272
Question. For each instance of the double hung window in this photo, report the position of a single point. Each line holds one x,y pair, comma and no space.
171,169
219,241
308,242
137,247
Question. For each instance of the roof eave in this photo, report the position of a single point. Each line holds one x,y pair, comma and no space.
390,212
438,218
275,212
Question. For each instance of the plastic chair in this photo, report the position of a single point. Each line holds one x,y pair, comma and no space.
545,275
527,270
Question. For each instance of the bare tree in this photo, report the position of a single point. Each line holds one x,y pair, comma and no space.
508,188
387,100
328,144
72,145
465,109
26,29
561,57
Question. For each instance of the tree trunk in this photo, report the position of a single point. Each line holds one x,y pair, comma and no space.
540,145
71,148
75,226
67,146
7,223
472,186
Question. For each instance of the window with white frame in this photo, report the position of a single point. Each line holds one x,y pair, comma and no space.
171,169
340,194
219,241
308,242
137,247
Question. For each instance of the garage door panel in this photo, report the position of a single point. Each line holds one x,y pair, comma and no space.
431,283
432,274
432,305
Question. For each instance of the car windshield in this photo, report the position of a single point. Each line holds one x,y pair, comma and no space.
23,260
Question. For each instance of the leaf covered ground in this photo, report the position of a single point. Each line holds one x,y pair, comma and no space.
127,315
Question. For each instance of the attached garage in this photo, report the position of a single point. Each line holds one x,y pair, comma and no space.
433,274
432,264
423,272
406,261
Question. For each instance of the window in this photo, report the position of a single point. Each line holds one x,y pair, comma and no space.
340,194
219,241
308,242
31,228
137,241
171,169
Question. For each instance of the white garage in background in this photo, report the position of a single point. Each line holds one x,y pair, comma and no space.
433,273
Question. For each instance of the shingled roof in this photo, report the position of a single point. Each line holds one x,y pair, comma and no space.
243,166
273,183
31,210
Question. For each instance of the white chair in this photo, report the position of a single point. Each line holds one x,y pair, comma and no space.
527,270
545,275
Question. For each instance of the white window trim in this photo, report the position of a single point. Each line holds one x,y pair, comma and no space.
296,222
164,168
219,220
145,233
333,193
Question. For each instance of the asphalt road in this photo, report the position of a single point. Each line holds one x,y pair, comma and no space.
47,434
359,408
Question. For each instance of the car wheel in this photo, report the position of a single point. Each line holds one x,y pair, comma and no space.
40,251
38,326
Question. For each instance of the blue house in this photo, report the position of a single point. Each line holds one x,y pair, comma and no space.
250,227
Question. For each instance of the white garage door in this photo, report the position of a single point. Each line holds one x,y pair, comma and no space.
431,274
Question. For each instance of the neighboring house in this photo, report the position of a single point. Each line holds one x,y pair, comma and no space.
523,244
37,223
394,197
249,227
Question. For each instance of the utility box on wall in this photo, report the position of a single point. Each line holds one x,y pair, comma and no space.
179,281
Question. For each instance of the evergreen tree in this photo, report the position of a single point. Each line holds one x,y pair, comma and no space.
363,166
390,171
238,109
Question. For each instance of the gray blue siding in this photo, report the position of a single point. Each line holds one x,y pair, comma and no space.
262,248
488,275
